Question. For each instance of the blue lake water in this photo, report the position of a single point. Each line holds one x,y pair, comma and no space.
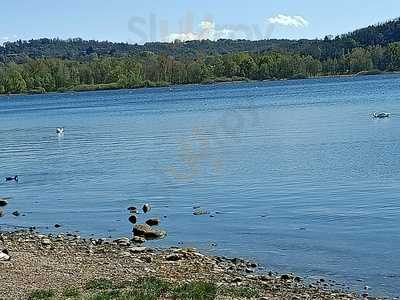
296,173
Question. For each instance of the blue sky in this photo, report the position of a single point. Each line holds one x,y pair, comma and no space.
141,21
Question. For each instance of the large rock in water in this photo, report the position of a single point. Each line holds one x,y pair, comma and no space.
3,201
148,232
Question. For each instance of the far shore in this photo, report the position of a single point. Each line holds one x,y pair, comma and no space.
114,87
66,266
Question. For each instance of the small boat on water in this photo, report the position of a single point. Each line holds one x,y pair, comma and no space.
381,115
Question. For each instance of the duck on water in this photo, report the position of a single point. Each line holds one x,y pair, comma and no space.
381,115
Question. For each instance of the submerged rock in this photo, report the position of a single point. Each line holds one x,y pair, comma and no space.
200,212
153,222
133,219
3,202
148,232
1,213
132,209
16,213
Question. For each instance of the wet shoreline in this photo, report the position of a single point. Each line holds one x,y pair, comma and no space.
54,261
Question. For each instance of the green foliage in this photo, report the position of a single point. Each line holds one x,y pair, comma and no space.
46,65
71,293
196,291
100,284
107,295
41,294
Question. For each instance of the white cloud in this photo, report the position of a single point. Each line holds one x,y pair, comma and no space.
294,21
207,31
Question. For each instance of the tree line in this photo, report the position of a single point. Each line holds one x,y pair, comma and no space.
149,69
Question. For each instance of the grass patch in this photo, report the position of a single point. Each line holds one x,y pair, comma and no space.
147,289
107,295
41,294
196,291
100,284
151,288
71,293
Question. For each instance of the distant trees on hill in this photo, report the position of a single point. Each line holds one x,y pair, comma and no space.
48,65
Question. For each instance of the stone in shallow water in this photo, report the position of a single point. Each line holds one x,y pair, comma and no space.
153,222
138,240
146,208
148,232
3,202
200,212
133,219
1,213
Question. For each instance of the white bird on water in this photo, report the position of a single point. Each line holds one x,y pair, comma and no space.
60,130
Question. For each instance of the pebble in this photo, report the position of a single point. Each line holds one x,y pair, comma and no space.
173,257
125,254
57,225
4,255
138,240
46,242
123,242
286,277
137,249
16,213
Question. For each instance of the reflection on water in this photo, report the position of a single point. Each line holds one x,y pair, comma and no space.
294,174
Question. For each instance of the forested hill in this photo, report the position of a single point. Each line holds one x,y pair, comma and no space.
53,65
78,49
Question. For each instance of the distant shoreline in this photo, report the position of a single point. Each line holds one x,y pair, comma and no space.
112,87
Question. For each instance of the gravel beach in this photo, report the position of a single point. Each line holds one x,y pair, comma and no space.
49,262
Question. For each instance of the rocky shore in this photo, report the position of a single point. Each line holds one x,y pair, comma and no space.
46,266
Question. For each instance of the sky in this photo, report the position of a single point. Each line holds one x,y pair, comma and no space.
161,20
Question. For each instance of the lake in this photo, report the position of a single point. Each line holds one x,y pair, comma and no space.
295,174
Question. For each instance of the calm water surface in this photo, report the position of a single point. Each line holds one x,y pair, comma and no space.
296,174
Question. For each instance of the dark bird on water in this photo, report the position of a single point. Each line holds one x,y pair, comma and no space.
13,178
